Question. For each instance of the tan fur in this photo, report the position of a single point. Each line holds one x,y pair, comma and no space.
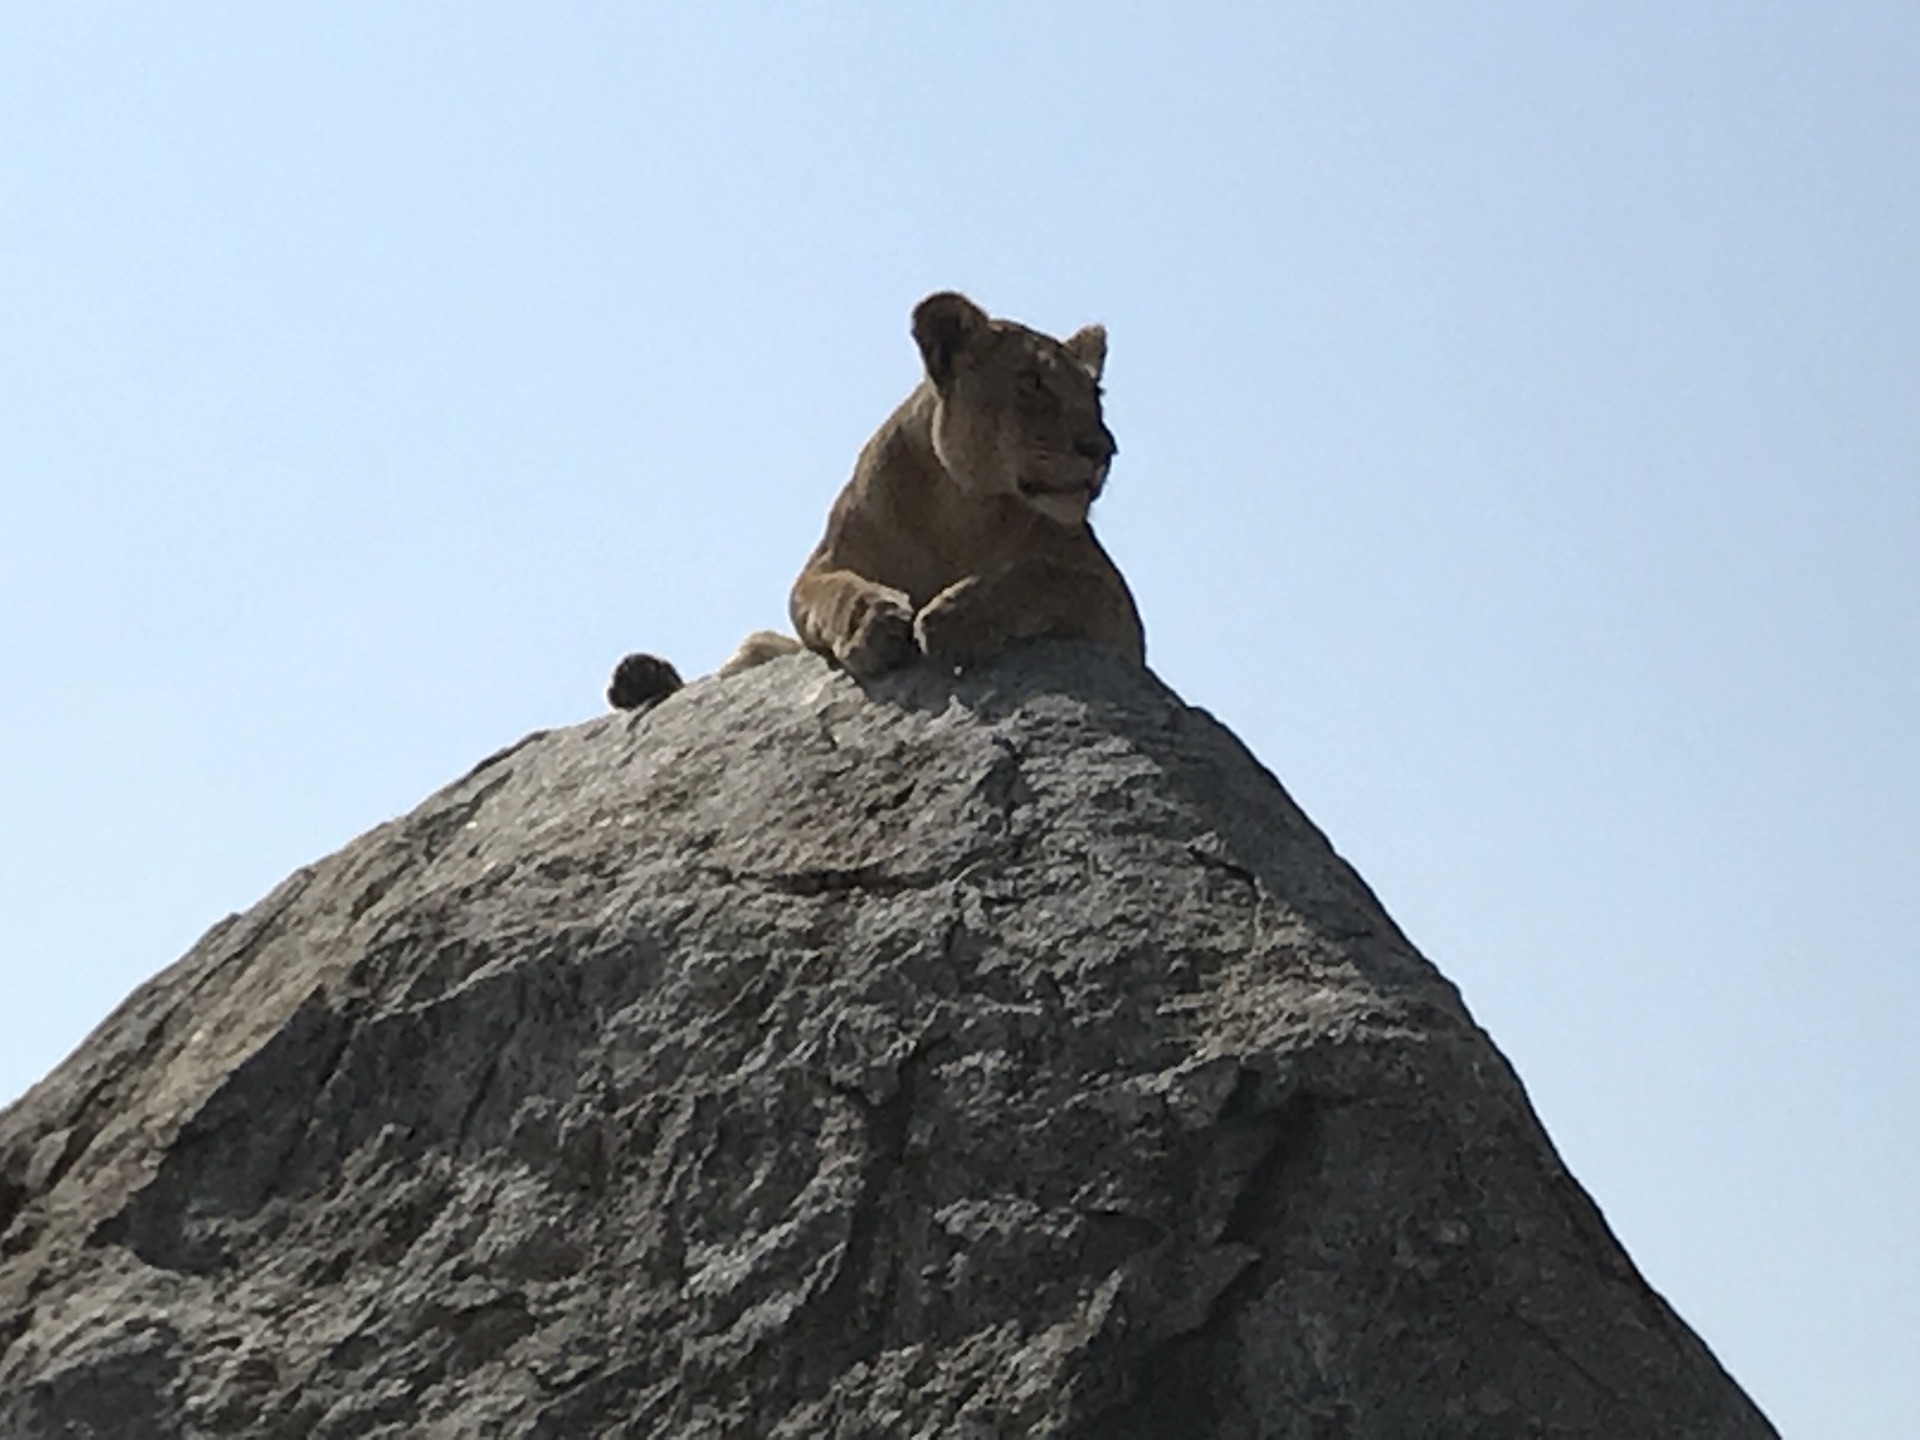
757,649
964,527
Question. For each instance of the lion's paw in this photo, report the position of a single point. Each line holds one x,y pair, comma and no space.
882,639
951,630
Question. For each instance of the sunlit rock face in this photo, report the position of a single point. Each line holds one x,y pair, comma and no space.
989,1056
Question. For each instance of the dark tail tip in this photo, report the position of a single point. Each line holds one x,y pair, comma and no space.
640,680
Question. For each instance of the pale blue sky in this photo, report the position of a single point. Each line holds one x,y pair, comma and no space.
1520,423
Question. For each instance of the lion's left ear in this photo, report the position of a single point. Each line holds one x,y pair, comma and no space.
944,325
1089,347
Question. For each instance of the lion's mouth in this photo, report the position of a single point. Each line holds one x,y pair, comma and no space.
1072,490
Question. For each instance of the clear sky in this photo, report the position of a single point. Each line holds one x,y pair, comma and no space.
1520,423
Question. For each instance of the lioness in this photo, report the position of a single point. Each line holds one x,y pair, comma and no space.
964,527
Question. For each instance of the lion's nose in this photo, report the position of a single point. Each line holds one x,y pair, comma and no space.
1097,448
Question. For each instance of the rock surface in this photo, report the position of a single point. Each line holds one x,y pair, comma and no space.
995,1056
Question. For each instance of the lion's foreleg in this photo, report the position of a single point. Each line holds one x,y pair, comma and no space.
866,627
976,618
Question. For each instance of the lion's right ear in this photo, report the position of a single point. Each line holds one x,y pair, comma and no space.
944,325
1088,345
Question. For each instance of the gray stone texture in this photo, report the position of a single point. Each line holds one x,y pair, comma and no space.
989,1056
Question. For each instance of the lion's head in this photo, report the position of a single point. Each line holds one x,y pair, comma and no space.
1016,412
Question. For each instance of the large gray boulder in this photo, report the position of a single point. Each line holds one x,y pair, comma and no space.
994,1056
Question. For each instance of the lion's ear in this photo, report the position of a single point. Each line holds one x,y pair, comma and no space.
943,326
1089,346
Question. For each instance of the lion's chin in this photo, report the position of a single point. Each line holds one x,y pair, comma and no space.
1064,506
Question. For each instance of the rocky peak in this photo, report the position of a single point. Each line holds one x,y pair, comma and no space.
994,1056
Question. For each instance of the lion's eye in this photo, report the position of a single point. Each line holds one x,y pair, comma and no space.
1034,394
